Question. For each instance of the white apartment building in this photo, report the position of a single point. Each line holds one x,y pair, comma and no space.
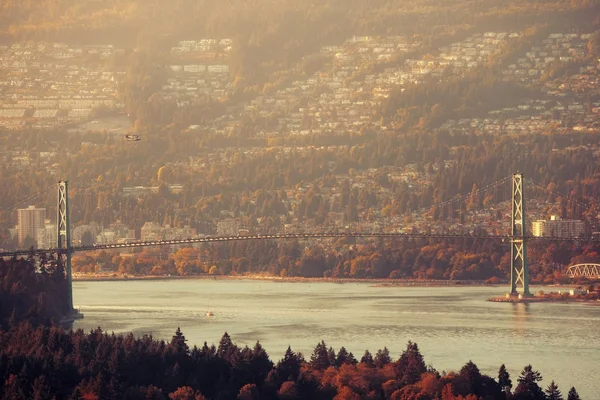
47,237
557,227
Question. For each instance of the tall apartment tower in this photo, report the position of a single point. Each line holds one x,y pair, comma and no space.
31,220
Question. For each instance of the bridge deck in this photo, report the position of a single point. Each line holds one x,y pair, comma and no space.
211,239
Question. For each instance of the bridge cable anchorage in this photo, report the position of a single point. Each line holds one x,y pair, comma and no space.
28,199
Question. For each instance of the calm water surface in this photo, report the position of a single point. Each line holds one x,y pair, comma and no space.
451,325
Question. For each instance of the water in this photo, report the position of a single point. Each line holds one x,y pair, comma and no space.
451,325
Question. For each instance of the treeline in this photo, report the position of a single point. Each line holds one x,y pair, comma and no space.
49,363
458,259
36,294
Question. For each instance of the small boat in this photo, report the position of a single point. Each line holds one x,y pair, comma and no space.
208,312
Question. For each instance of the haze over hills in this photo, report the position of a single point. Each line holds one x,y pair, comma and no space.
302,116
177,119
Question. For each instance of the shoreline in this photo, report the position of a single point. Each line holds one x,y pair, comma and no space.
543,299
376,281
380,282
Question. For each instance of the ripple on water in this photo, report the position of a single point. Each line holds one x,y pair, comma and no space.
450,324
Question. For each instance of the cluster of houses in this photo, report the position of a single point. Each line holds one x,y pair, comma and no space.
557,48
345,94
50,85
47,85
154,231
199,70
457,58
336,98
564,102
531,116
207,49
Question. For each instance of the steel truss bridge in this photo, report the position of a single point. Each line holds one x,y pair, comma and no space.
519,276
591,271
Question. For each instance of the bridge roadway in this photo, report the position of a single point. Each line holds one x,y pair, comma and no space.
212,239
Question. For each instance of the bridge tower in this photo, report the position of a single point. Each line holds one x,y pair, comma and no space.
64,237
519,274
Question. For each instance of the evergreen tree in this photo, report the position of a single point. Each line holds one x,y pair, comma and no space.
75,394
13,388
342,357
331,356
320,357
289,366
410,366
227,350
351,359
528,389
504,379
382,358
573,395
41,389
553,393
178,342
471,374
260,364
367,359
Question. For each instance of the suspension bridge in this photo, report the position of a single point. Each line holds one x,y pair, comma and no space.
517,237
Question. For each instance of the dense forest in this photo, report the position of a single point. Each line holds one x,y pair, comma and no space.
32,291
48,362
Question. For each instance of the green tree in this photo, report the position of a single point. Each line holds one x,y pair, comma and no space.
41,389
553,393
382,358
528,388
289,366
471,374
319,359
410,366
228,351
367,359
342,357
573,395
178,342
504,379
